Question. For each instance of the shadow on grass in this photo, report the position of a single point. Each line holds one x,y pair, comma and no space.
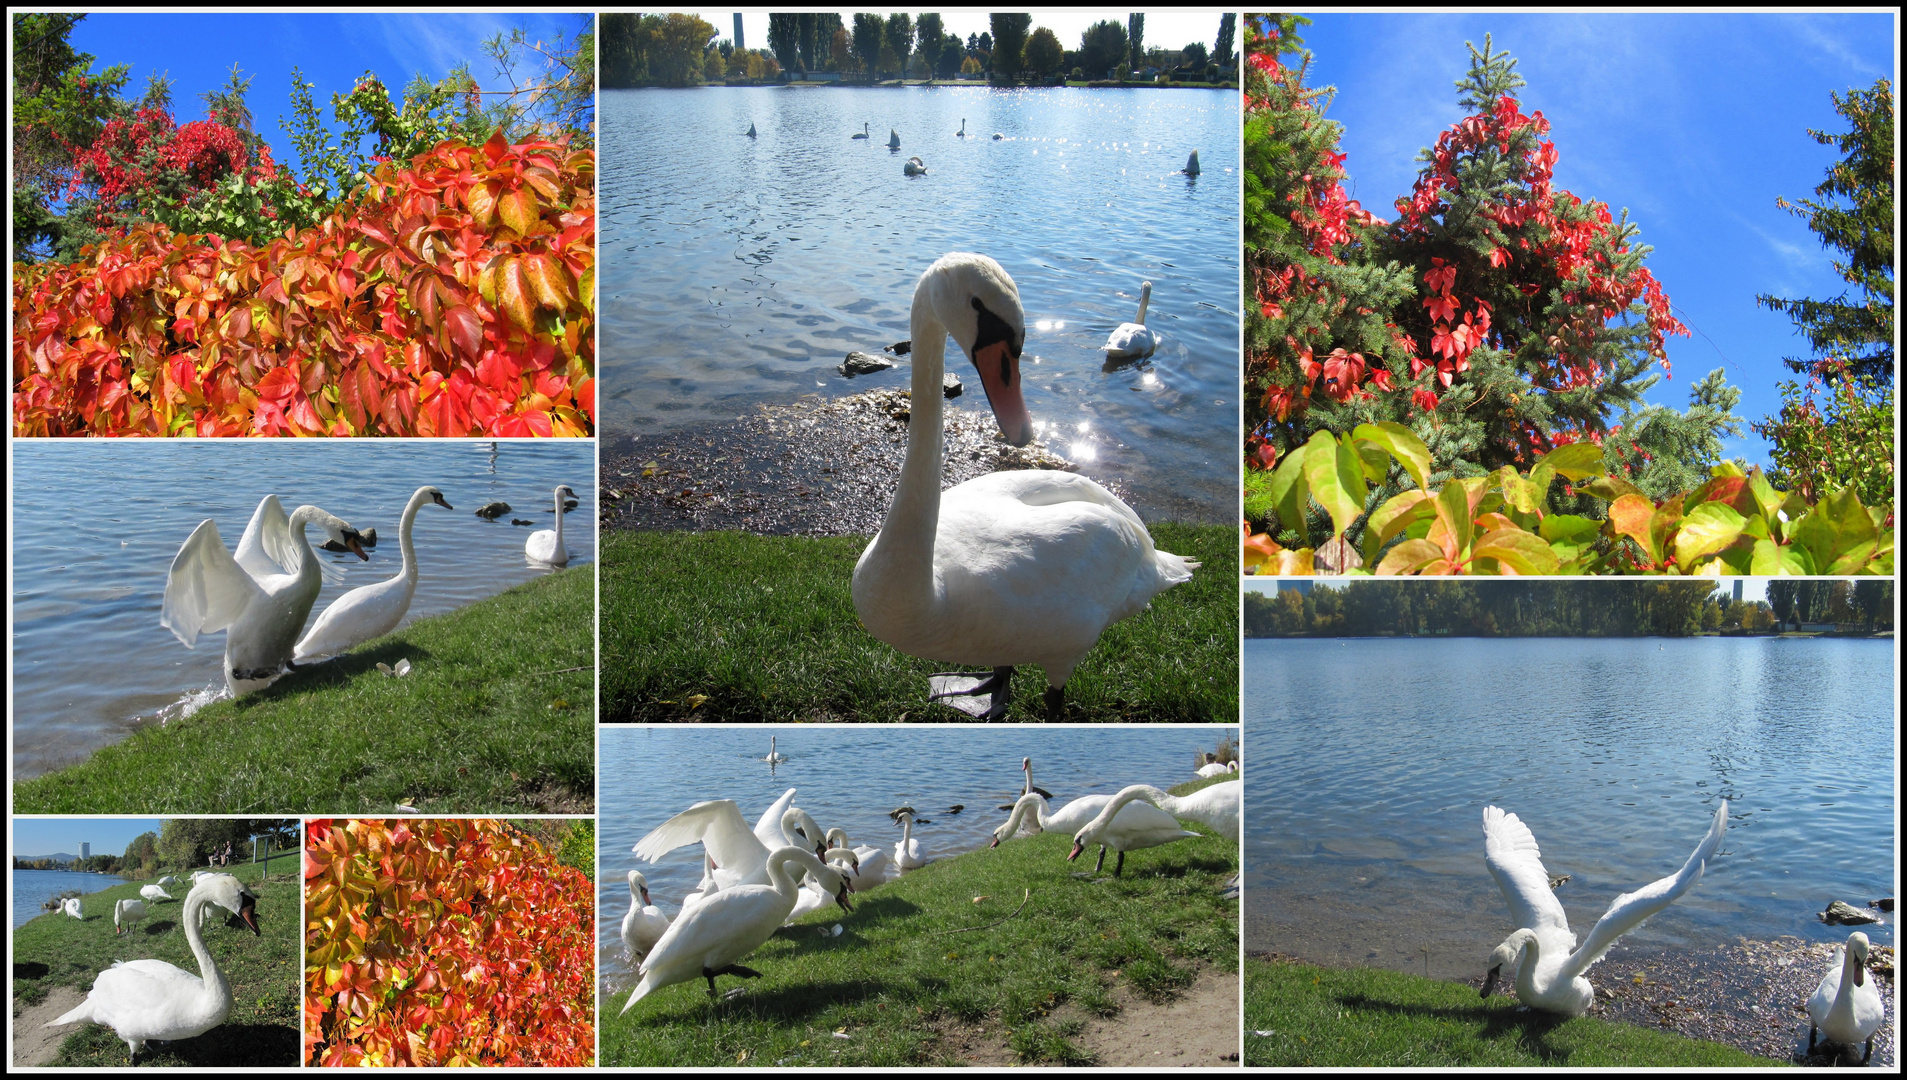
163,926
30,970
337,671
1530,1028
795,1004
876,910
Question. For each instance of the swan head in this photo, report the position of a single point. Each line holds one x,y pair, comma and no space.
1509,953
336,529
842,856
639,886
431,494
1857,953
1024,805
226,891
838,838
975,300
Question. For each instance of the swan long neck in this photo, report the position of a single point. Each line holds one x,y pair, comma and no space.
300,547
1111,810
404,534
907,534
559,520
1029,803
1145,297
778,875
209,972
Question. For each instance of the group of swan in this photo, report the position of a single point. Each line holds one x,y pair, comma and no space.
145,1000
1010,568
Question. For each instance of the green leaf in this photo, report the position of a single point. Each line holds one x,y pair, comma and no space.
1397,513
1401,443
1576,461
1611,488
1569,527
1518,492
1289,491
1516,550
1409,557
1337,479
1707,529
1453,509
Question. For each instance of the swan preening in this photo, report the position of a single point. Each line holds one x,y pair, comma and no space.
370,611
709,937
152,1000
260,598
1133,340
1544,963
1017,567
1125,824
546,545
71,906
645,923
125,914
915,167
863,134
1215,768
1846,1008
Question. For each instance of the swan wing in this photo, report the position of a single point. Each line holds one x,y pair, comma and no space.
715,932
1632,908
206,589
717,825
768,826
1822,1000
1509,848
1074,815
266,548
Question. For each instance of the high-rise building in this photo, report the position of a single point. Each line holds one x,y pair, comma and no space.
738,32
86,851
1738,590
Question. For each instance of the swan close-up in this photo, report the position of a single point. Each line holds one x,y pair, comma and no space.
260,597
546,546
1134,340
1010,568
370,611
1846,1009
707,938
125,913
1544,962
144,1000
1127,823
645,923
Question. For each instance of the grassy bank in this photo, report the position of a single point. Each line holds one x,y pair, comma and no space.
491,719
54,950
734,627
1370,1018
951,946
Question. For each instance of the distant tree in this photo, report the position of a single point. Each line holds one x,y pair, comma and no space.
953,56
625,50
869,36
677,48
1193,56
970,67
1009,39
60,105
1222,51
714,65
985,43
1135,39
784,36
1102,46
899,35
841,52
1043,53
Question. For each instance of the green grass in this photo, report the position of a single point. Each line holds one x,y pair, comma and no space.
56,950
487,722
1370,1018
762,628
896,979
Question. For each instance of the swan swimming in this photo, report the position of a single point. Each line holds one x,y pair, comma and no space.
751,129
260,598
893,139
1134,340
914,167
774,757
962,133
1016,567
152,1000
1544,962
125,914
1846,1007
707,939
1127,823
546,545
370,611
645,923
863,134
1191,165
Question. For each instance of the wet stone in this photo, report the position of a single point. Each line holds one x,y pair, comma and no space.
862,363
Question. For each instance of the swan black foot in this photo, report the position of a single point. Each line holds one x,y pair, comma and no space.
1055,704
1868,1054
1811,1031
1101,864
1120,866
998,684
736,970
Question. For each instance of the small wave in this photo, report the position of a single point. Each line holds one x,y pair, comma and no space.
192,702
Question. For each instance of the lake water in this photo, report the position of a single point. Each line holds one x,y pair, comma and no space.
737,271
850,777
31,888
96,526
1368,848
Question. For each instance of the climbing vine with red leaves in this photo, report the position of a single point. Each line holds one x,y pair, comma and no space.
451,295
444,942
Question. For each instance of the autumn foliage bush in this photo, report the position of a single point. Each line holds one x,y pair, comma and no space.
450,295
444,942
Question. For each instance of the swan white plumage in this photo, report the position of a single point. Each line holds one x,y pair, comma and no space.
546,545
1546,966
872,862
645,923
71,906
893,139
1018,567
814,895
260,597
774,757
169,879
907,854
1191,165
1134,340
370,611
1217,807
1127,823
1214,768
1030,816
740,854
1846,1007
707,939
914,167
151,999
125,913
153,893
864,133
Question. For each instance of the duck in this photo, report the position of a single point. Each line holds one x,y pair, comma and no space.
645,923
545,546
260,597
1191,165
774,757
914,167
1133,340
907,854
153,893
125,914
1218,807
1846,1008
864,133
962,133
709,937
893,139
145,1000
370,611
1026,566
1542,958
1127,824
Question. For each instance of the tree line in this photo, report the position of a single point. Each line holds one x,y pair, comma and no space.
180,844
1562,609
684,50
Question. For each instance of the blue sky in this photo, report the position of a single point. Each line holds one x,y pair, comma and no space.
1694,122
33,837
197,52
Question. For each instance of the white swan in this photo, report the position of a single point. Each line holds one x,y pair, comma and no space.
1191,165
914,167
546,545
153,893
151,999
774,757
1217,807
1030,816
1017,567
907,854
71,906
872,862
1545,964
1127,823
125,913
1134,340
169,879
740,854
1846,1007
1215,768
645,923
370,611
707,939
962,133
863,134
893,139
814,895
260,598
